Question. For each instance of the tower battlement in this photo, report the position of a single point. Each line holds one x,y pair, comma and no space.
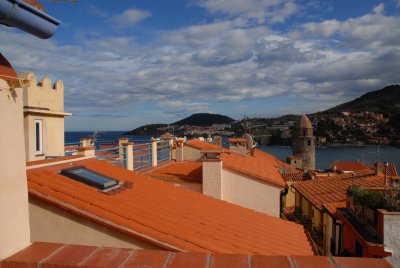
43,94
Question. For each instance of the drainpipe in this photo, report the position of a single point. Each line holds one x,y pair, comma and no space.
338,233
386,183
16,13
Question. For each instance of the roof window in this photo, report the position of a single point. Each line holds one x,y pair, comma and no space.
91,178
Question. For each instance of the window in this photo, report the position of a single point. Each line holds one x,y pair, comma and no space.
309,142
90,177
38,136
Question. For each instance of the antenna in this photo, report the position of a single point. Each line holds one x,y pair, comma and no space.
249,143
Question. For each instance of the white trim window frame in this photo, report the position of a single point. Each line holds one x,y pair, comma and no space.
38,136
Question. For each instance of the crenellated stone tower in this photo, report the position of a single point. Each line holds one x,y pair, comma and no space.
304,143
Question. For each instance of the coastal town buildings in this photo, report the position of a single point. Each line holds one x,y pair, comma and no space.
318,207
100,206
240,175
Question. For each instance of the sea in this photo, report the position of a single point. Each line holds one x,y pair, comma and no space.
324,156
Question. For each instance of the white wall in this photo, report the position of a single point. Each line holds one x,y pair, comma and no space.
251,193
391,234
191,154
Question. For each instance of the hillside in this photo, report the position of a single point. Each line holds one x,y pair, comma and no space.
201,120
386,101
204,120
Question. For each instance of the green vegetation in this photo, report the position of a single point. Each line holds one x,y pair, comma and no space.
387,199
385,101
204,120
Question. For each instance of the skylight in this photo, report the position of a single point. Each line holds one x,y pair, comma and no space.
90,177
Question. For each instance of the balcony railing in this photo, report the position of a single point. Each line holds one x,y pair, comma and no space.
142,155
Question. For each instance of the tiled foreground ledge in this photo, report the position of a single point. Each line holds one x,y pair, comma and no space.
60,255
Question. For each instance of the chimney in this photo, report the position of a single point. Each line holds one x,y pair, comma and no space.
14,219
179,150
378,169
212,173
238,145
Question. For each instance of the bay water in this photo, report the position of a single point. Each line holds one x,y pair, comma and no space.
324,156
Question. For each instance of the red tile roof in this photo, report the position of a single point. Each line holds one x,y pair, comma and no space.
52,160
295,176
203,145
261,165
391,169
289,213
348,166
237,140
7,72
186,171
171,217
331,190
41,254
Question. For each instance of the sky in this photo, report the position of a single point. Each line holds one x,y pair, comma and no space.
126,63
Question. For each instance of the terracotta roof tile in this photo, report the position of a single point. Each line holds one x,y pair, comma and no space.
189,259
348,166
295,176
169,216
352,262
315,261
203,145
52,160
107,257
231,261
261,165
69,255
7,72
331,207
148,258
332,189
289,213
237,140
270,262
66,256
33,254
391,169
190,171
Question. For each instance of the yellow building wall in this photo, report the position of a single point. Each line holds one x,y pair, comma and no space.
40,100
289,199
14,217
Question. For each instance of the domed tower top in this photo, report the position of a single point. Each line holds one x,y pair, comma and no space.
304,127
304,122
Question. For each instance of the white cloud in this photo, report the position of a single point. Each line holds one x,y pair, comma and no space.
130,17
373,30
197,67
274,11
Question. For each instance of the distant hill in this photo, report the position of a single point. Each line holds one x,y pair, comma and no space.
201,120
204,120
146,130
386,101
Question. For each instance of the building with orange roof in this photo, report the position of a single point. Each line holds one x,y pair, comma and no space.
370,218
347,166
56,254
98,208
147,213
317,202
249,180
